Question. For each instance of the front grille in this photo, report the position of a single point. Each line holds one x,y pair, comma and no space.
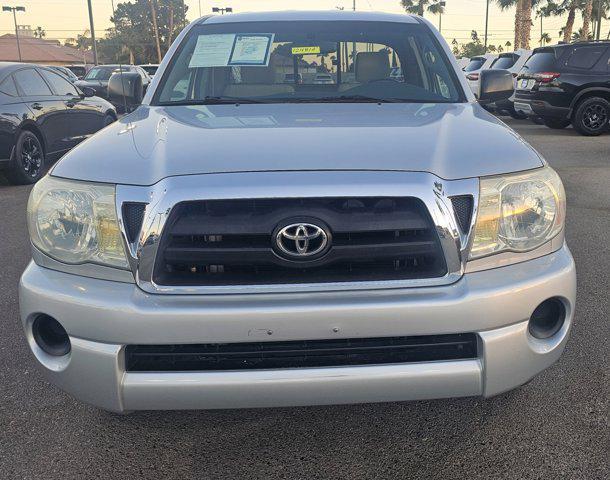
133,216
462,206
231,242
300,354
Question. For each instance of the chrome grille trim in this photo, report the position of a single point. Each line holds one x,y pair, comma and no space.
163,196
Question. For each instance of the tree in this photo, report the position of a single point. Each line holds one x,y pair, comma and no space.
473,48
417,7
586,18
545,38
454,47
518,5
82,41
39,33
133,36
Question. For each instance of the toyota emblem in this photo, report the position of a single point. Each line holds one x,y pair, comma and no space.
301,240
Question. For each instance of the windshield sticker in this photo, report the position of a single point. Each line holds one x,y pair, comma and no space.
252,50
305,50
230,49
213,50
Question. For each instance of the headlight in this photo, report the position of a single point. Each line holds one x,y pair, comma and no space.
75,222
518,213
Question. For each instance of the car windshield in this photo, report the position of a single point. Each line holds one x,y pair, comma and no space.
102,73
475,64
284,62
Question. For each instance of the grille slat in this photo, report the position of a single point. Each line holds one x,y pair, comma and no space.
231,242
300,354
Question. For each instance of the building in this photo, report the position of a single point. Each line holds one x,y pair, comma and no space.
40,50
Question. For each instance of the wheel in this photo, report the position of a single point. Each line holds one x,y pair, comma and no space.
108,119
555,123
26,165
591,116
516,115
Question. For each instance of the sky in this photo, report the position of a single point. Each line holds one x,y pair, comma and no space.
63,19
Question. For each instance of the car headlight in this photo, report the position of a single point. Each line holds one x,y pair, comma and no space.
518,213
76,222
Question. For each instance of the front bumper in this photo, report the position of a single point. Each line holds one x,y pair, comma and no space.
102,317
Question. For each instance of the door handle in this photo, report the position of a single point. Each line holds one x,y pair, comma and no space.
36,106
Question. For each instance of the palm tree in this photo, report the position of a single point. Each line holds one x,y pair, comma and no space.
586,18
417,7
580,35
597,5
39,33
545,38
518,4
569,6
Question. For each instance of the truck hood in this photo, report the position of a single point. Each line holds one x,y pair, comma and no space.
451,141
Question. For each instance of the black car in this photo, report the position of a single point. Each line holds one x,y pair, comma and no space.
42,116
97,78
79,70
566,84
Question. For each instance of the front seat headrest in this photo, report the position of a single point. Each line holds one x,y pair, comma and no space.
372,66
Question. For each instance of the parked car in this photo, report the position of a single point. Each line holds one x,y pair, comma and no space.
474,68
97,78
290,78
79,70
323,79
66,72
462,62
568,84
150,68
43,116
513,62
249,243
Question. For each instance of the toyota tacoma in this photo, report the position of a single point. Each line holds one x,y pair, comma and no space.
240,241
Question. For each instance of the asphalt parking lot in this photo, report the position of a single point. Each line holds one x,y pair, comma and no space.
557,426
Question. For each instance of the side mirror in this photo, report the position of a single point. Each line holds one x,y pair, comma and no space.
495,85
88,91
125,90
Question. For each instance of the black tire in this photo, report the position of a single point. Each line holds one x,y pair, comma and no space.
108,119
517,115
592,116
27,163
556,124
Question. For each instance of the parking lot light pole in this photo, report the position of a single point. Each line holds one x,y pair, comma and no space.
15,10
92,28
222,10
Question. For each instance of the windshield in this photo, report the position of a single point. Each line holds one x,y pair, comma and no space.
288,62
475,64
102,73
504,62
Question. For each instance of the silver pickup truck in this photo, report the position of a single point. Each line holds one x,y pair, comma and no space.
240,241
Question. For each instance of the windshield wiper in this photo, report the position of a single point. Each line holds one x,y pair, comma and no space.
347,99
210,101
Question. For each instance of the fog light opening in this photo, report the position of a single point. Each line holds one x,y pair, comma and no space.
50,336
547,319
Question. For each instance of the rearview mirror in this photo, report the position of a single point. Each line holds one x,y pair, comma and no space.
125,90
495,85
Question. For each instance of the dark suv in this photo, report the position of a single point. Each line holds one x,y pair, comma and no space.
566,84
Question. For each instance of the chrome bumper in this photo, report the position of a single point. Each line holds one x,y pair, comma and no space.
102,317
